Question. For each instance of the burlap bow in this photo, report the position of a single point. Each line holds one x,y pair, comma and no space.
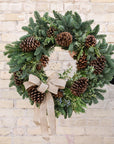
54,83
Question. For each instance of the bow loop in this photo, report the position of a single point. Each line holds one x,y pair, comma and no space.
54,83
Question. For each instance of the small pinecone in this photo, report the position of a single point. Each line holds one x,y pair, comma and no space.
82,63
44,61
39,67
64,39
29,44
35,95
98,64
79,86
17,80
50,31
59,94
90,41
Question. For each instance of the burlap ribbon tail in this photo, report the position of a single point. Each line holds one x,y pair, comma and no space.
54,83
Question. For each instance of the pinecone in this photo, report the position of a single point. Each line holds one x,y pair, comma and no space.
82,63
90,41
50,31
79,86
17,80
59,94
35,95
39,67
64,39
44,61
29,44
98,64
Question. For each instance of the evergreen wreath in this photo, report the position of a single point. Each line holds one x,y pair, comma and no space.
30,55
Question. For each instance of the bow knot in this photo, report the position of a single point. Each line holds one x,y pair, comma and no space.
54,83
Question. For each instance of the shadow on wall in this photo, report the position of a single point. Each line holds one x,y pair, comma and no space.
112,81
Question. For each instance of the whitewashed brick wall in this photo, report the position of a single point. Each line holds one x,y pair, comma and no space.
96,126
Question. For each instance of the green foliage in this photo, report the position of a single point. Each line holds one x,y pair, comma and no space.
28,61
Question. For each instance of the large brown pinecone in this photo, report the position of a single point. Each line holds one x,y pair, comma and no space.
43,62
79,86
17,79
35,95
64,39
59,94
90,41
50,31
98,64
82,63
29,44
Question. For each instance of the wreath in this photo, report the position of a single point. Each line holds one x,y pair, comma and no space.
29,55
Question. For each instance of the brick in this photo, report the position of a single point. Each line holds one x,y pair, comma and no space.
7,26
6,112
111,104
19,112
11,0
54,66
42,6
2,65
28,7
5,75
15,7
27,140
102,131
99,113
68,64
9,113
70,130
8,122
110,28
2,47
66,139
6,104
53,56
34,131
20,25
92,122
85,7
12,17
9,94
88,140
4,83
68,6
5,131
110,8
2,57
111,90
9,37
5,140
73,122
108,140
57,6
98,8
65,56
11,6
105,17
23,104
25,122
103,1
110,38
3,6
19,131
106,122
